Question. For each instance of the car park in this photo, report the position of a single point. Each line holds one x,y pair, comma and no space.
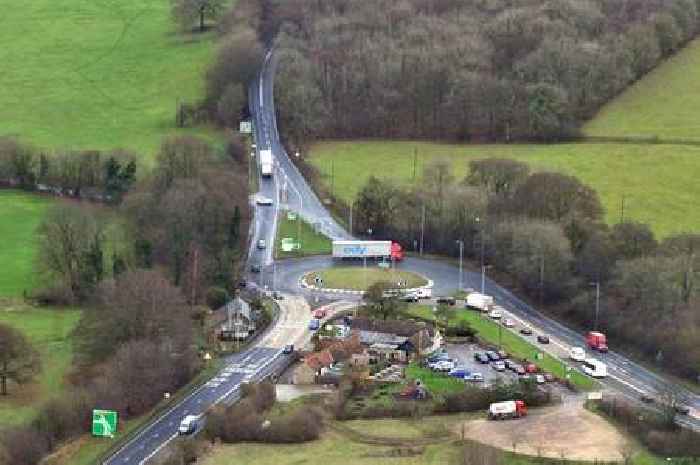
498,366
542,339
526,331
481,357
493,356
508,323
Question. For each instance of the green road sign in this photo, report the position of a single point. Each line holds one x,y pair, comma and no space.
291,216
104,423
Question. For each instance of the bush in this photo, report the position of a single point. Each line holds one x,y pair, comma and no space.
217,297
302,425
24,446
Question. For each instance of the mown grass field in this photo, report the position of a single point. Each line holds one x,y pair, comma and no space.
512,343
658,182
49,331
360,278
20,215
664,104
84,74
312,243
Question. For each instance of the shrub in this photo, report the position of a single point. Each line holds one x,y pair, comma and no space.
217,297
24,445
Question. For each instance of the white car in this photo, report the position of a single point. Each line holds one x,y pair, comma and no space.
577,354
475,378
261,244
540,379
495,314
262,200
508,323
443,365
188,425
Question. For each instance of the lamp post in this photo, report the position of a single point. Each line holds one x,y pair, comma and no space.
597,304
461,253
301,209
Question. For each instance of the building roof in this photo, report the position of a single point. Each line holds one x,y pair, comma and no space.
319,360
402,328
374,337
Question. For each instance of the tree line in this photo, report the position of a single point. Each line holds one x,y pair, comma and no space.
545,232
462,70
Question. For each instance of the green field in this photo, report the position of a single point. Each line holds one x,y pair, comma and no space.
359,278
84,74
20,215
658,182
664,103
312,243
49,331
511,342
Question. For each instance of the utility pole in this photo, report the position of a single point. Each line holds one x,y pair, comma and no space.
483,279
351,218
622,209
415,160
461,253
541,278
332,178
422,229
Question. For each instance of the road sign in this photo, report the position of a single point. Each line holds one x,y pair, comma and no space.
104,423
291,216
245,127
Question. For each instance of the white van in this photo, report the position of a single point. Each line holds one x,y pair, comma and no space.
189,424
577,354
424,292
595,368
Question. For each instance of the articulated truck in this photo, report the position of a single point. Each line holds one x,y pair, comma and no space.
266,163
379,250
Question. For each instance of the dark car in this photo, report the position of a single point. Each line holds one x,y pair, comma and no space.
446,300
481,358
288,349
255,268
242,284
526,332
646,398
493,355
682,409
510,364
543,339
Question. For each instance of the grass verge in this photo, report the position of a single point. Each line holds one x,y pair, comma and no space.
312,242
49,331
658,182
511,343
360,278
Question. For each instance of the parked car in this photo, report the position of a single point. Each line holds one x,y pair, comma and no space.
434,364
458,372
510,364
519,369
475,378
542,339
493,356
495,314
410,297
502,353
508,323
531,368
443,365
526,331
498,366
481,357
548,377
437,357
446,300
255,268
539,379
314,324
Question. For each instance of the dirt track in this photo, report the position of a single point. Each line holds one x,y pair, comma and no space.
566,430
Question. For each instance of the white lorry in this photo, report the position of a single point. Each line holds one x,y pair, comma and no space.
478,301
507,409
266,163
362,249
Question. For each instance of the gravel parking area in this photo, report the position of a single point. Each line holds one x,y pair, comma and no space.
463,354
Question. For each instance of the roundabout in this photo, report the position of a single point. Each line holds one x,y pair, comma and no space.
356,278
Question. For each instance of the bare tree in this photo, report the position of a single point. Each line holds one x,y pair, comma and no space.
186,12
19,361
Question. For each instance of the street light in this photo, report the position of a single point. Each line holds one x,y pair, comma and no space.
461,253
483,277
597,304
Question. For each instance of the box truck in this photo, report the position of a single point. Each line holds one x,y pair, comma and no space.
507,409
266,163
479,301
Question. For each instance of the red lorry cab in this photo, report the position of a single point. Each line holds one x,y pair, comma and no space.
597,341
396,252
